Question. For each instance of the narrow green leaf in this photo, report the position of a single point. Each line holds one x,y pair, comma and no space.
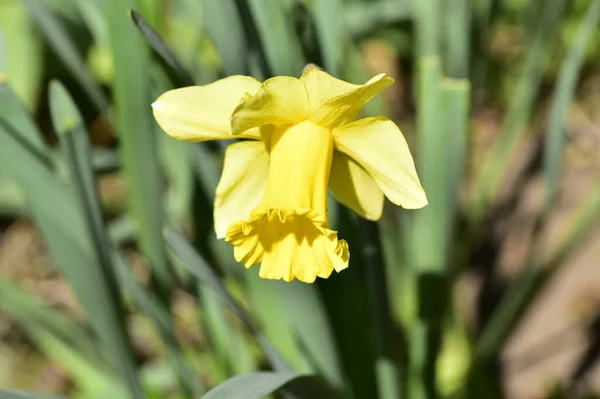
279,41
138,143
457,106
457,38
312,328
332,33
74,141
225,28
259,384
362,18
33,315
13,113
561,100
182,252
267,300
64,47
159,46
515,122
230,351
11,394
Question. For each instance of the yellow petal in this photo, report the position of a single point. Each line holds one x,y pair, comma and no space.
354,187
289,232
289,244
334,102
200,113
378,145
242,185
280,101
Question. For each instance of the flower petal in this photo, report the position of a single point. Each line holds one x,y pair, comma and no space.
378,145
280,101
242,184
354,187
200,113
334,102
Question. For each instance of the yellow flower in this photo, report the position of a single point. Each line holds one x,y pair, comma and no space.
271,202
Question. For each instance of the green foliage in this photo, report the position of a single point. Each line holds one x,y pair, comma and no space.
385,328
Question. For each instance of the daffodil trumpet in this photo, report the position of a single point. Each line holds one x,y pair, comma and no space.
303,137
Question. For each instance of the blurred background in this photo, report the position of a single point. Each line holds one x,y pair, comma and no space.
113,285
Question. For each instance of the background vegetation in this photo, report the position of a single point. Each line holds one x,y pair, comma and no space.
131,295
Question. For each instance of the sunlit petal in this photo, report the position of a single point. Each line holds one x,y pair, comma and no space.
242,185
354,187
378,145
200,113
334,102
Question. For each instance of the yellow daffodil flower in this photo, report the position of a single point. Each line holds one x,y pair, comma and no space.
303,137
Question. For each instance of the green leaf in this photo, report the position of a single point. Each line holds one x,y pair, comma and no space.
74,142
183,253
159,46
280,43
226,30
62,44
262,383
34,316
310,325
137,139
362,18
13,113
11,394
561,100
498,157
332,33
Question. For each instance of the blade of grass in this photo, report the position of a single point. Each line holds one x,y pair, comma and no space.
515,122
280,44
331,30
531,279
262,383
73,140
231,352
427,243
362,18
311,327
66,50
427,229
273,320
68,123
457,38
12,394
13,112
225,28
159,46
562,98
136,128
457,105
183,253
33,315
